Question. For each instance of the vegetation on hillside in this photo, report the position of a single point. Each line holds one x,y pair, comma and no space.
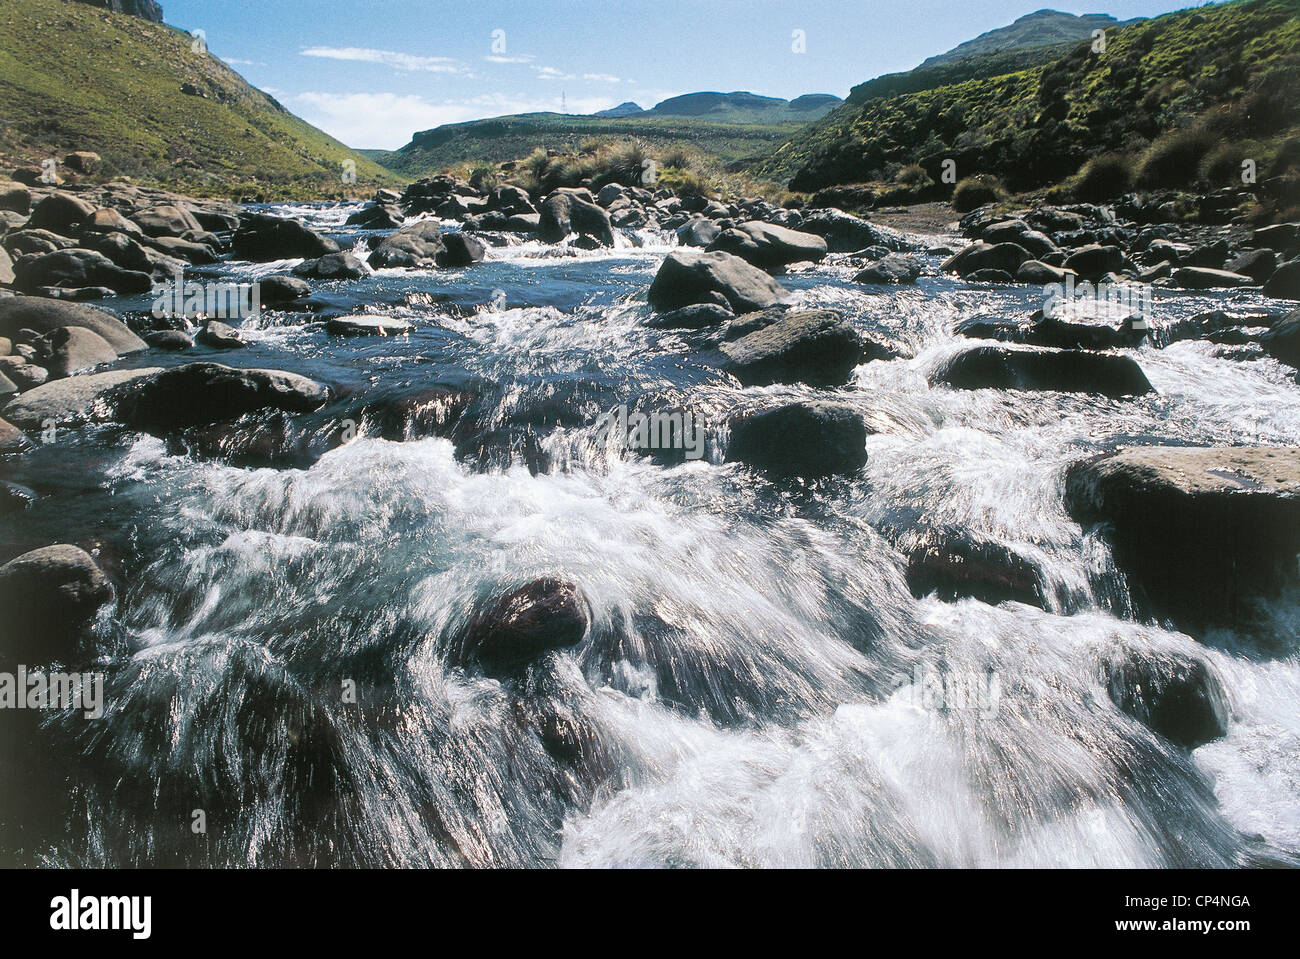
74,77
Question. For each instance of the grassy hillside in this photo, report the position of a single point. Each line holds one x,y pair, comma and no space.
1182,97
73,77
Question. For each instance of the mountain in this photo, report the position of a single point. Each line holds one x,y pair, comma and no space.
145,9
1224,78
625,109
722,128
1039,29
138,93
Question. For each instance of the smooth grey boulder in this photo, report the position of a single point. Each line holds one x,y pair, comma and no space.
49,597
60,213
688,277
816,347
42,316
892,268
75,268
75,399
332,266
569,211
416,246
768,246
201,393
262,237
71,349
219,336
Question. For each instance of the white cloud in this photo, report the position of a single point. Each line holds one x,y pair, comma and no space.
388,58
496,59
550,73
386,121
235,61
600,78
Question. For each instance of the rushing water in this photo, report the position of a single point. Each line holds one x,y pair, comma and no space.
748,691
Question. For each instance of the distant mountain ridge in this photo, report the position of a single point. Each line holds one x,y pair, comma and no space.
1038,29
145,9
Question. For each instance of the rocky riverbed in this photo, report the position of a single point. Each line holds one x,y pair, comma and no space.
987,557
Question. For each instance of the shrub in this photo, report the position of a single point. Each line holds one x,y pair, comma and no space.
1222,165
484,178
677,158
914,177
1104,177
1174,159
625,164
975,191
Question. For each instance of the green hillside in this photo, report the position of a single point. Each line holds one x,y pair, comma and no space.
74,77
1184,97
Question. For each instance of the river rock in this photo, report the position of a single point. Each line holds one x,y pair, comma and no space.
568,211
845,233
1259,265
6,267
107,220
219,336
200,393
768,246
816,347
365,325
697,316
1174,695
332,266
416,246
166,220
43,316
75,399
12,439
461,249
262,237
1282,340
49,597
71,349
1006,257
1284,284
74,268
1067,371
15,197
60,213
892,268
956,563
1204,278
173,340
689,277
277,290
13,497
523,626
1094,261
376,218
698,231
1198,531
1040,273
801,439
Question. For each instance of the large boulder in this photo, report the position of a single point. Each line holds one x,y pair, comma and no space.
1066,371
43,316
1171,694
768,246
1198,531
416,246
108,220
277,290
76,268
332,266
1094,261
801,439
70,349
1006,257
202,393
60,213
519,628
1284,284
1282,340
262,237
167,220
688,277
15,197
845,233
49,597
816,347
1204,278
73,400
568,211
461,249
698,231
12,439
891,268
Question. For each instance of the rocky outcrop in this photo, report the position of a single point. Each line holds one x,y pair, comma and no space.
144,9
816,347
1066,371
1198,531
688,277
801,439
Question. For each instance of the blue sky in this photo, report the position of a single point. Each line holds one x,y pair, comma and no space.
372,73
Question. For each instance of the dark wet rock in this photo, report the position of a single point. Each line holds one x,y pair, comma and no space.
166,220
1040,273
688,277
698,231
60,213
174,340
12,439
75,399
694,317
1209,256
1094,261
572,211
1284,284
332,266
75,268
769,247
1279,236
262,237
367,325
71,349
990,276
277,290
15,197
416,247
43,316
219,336
49,597
14,498
1176,696
845,233
816,347
956,564
1006,257
377,217
1282,340
461,249
1068,371
522,626
1256,264
201,393
801,439
892,268
1203,278
1198,531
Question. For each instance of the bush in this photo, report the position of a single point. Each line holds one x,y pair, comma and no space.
914,177
624,164
1222,165
975,191
484,178
677,158
1104,177
1174,159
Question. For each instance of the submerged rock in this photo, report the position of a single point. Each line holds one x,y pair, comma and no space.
1067,371
801,439
49,596
956,563
689,277
816,347
359,325
522,626
697,316
1176,696
1199,531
